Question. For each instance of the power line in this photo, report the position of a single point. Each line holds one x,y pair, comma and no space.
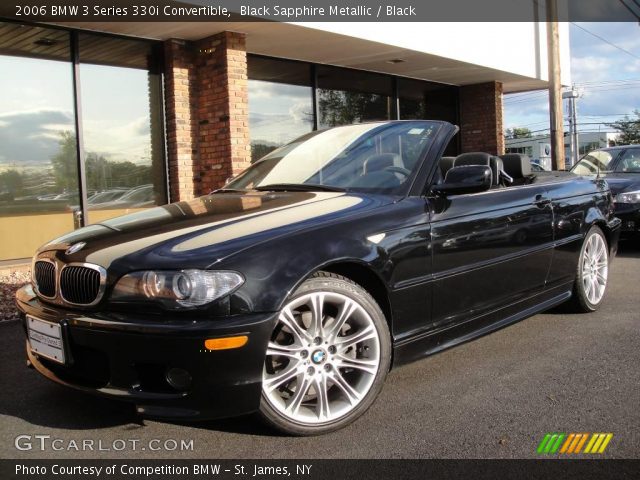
606,41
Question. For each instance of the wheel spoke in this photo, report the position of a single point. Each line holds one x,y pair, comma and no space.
323,409
352,395
368,366
352,340
301,390
277,350
348,307
270,383
594,289
316,304
288,320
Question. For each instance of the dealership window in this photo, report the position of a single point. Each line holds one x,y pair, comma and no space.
425,100
38,163
351,96
290,98
124,165
280,103
117,100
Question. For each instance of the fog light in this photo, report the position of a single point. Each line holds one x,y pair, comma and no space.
178,378
226,343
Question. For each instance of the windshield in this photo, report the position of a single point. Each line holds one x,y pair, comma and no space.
594,162
630,161
373,157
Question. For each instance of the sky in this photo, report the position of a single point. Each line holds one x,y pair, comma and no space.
607,76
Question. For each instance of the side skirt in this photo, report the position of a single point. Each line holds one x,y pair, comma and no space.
424,344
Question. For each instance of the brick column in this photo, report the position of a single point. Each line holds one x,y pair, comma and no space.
207,113
181,124
481,123
223,111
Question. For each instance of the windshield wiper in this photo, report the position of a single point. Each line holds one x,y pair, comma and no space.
298,187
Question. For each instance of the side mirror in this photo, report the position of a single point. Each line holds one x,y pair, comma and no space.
465,179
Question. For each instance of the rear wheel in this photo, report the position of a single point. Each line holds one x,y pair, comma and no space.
327,358
592,274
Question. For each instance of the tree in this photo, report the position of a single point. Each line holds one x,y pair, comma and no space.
517,132
338,107
629,129
65,164
10,184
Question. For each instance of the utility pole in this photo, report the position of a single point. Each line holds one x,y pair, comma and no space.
572,95
555,94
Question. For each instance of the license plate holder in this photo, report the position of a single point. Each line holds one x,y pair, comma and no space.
46,339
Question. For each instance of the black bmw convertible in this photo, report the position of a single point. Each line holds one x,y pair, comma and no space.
295,288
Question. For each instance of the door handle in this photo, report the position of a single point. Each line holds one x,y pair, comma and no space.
541,201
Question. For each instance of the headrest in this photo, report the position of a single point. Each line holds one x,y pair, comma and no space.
381,161
516,165
446,163
473,158
481,158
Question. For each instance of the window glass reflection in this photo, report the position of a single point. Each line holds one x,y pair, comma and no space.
280,103
38,164
124,167
350,96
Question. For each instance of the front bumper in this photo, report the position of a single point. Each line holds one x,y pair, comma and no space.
128,359
630,216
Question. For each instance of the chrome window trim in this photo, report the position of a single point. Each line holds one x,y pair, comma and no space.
101,289
55,278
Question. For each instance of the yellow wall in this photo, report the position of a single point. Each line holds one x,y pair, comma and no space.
20,236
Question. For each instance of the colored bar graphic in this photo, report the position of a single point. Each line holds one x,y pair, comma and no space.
543,443
607,439
567,442
572,443
581,443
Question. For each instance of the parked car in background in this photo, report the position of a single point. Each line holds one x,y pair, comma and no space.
295,288
620,166
137,197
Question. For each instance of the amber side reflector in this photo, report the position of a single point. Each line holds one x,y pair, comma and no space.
226,343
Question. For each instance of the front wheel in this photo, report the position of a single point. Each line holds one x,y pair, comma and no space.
327,358
592,273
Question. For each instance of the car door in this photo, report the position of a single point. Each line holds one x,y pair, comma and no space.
489,249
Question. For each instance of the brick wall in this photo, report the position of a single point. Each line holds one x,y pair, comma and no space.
207,113
481,123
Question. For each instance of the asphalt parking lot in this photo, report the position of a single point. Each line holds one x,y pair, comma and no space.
494,397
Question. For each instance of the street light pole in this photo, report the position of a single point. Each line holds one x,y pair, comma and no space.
555,94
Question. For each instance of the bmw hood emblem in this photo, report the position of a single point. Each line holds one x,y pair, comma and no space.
76,247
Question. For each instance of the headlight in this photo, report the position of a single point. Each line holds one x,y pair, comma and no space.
628,197
176,289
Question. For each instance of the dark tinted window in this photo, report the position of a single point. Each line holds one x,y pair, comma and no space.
351,96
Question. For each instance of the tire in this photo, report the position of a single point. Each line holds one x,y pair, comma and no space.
321,376
592,273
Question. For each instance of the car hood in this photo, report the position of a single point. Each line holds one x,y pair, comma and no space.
201,232
622,182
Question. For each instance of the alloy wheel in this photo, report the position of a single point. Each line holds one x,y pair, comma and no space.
595,268
322,359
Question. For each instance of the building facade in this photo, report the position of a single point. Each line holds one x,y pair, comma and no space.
98,120
538,147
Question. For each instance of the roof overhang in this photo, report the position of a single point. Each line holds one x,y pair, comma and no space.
299,42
